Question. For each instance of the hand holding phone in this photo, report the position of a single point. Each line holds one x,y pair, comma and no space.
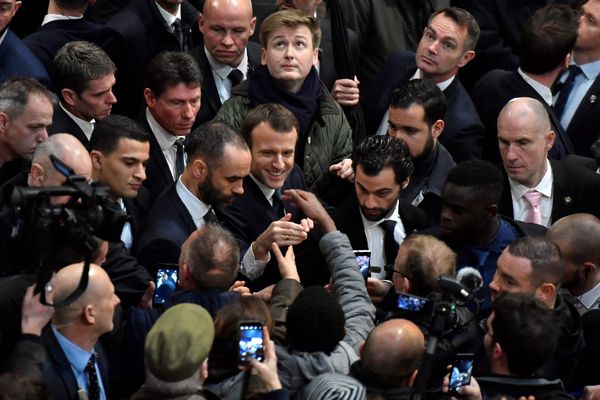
251,343
460,375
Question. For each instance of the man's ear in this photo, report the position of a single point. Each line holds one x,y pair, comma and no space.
550,138
252,25
405,183
437,128
97,159
316,57
263,56
199,169
464,60
89,314
68,96
497,352
37,175
413,376
546,291
150,98
4,121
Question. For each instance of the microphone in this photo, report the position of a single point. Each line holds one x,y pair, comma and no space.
454,287
470,277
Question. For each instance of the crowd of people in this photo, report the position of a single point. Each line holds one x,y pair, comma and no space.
186,187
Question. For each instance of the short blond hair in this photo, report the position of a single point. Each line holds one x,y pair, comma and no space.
290,19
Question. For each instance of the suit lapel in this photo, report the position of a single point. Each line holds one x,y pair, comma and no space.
183,212
157,157
585,107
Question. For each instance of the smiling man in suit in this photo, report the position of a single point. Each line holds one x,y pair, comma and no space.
225,57
536,189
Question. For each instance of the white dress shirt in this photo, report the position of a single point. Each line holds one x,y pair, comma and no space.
375,235
543,90
168,17
166,141
86,126
521,206
58,17
221,71
590,300
196,207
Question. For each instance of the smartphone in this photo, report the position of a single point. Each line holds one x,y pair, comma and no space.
251,341
363,259
408,302
461,371
165,282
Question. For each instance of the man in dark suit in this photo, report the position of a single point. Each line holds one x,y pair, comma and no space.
416,115
120,150
15,58
225,57
75,365
260,216
25,114
546,43
218,161
446,46
376,219
173,99
579,109
146,28
83,77
65,23
536,189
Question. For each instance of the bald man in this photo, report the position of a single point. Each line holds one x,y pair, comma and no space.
76,364
226,56
578,237
390,358
537,189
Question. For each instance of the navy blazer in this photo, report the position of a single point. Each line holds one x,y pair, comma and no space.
464,134
491,94
58,375
50,37
168,225
251,214
17,60
62,123
575,190
584,127
158,173
211,102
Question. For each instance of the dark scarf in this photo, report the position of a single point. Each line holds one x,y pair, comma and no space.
304,104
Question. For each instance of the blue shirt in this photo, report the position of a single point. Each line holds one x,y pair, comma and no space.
78,358
484,259
581,85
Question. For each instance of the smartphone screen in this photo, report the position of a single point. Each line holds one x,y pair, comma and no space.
363,259
165,283
407,302
251,341
461,372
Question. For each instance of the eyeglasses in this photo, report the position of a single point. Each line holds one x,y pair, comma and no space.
390,268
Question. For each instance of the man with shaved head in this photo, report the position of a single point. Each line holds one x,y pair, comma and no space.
226,57
76,364
390,358
578,237
537,189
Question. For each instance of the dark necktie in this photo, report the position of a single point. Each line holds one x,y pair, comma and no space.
390,247
565,91
235,76
179,163
278,207
93,385
210,217
178,33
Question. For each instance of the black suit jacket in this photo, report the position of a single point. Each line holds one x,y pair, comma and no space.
58,375
137,209
491,94
158,174
143,33
168,225
49,38
584,127
62,123
575,190
251,214
17,60
348,220
210,101
464,134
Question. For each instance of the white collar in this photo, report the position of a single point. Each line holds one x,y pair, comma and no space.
442,85
544,187
223,70
3,36
590,297
86,126
164,138
58,17
541,89
196,207
167,16
266,191
393,216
